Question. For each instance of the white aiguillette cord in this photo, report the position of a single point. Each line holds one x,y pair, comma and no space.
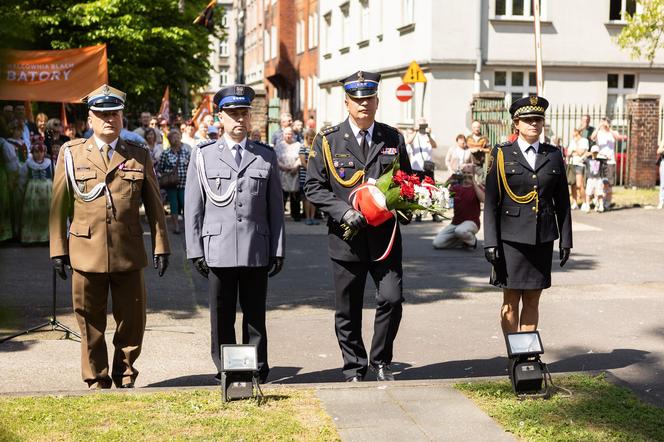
87,196
217,200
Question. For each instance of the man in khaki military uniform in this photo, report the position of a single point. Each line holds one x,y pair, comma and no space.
99,185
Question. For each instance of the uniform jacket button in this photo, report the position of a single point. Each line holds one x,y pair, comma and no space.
535,186
534,176
534,209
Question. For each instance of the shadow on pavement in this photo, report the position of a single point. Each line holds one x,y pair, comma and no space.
618,358
470,368
15,346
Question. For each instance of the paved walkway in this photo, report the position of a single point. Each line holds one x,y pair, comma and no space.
603,313
407,411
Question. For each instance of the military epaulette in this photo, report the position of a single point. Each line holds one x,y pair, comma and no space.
135,144
265,145
202,144
388,127
75,142
329,130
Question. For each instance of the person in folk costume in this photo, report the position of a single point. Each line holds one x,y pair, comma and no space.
37,175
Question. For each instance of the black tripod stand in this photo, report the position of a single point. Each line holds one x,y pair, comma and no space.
53,322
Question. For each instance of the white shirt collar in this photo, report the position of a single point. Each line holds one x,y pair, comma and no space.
356,130
101,144
231,143
523,145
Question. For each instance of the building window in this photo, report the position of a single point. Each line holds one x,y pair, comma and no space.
617,87
223,48
313,30
316,95
621,8
266,46
273,42
299,36
226,17
345,25
223,77
515,84
407,11
310,92
327,47
364,20
516,8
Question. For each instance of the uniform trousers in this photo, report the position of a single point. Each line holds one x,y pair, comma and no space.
90,298
225,284
349,281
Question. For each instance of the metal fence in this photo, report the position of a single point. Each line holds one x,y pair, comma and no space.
560,122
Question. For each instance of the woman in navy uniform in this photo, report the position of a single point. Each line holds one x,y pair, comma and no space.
341,158
526,209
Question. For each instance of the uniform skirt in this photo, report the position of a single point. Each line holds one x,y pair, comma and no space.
523,266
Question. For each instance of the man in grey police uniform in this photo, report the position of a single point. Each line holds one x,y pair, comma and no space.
342,157
234,224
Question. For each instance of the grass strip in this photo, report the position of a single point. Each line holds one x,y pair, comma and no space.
597,411
191,415
632,196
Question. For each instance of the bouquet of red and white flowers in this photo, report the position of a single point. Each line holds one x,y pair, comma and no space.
394,193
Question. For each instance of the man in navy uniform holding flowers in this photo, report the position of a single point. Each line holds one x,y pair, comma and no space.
342,158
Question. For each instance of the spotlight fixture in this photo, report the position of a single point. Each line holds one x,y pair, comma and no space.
239,372
526,370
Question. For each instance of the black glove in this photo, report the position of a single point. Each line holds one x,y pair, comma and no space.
60,263
276,263
354,219
404,216
161,263
564,255
201,266
491,255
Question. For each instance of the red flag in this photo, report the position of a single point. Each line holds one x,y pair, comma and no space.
205,17
205,108
165,109
63,117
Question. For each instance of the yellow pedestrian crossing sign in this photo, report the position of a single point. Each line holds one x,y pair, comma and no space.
414,74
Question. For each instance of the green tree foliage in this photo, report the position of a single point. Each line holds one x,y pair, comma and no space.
643,34
150,44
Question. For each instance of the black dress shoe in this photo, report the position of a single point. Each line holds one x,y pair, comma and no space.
356,378
217,377
383,372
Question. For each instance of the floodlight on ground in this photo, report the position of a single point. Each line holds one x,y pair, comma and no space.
526,370
239,371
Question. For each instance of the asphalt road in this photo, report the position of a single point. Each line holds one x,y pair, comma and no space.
604,312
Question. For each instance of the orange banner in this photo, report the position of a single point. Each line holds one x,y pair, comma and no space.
62,76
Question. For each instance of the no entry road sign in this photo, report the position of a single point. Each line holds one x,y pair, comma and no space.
404,92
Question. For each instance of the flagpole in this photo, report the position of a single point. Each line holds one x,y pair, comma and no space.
538,55
538,48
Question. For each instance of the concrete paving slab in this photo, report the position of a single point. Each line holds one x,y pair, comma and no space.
395,411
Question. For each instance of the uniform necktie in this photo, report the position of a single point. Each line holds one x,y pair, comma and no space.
531,156
364,147
238,154
104,154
